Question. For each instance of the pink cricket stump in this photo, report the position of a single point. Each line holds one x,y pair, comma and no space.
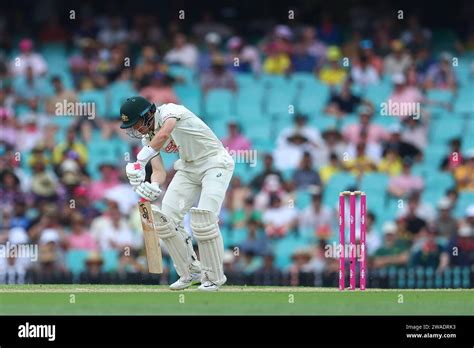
341,243
363,231
352,241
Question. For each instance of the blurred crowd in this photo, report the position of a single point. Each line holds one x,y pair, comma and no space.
49,198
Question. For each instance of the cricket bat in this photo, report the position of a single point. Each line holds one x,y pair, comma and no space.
152,242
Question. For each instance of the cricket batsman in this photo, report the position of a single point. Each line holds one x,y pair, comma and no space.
204,169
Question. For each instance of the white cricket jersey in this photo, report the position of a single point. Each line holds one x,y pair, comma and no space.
191,137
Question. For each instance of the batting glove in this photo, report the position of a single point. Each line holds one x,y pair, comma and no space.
148,191
135,173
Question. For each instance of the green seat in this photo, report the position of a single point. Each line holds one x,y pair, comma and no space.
285,247
220,102
76,260
465,199
111,260
99,98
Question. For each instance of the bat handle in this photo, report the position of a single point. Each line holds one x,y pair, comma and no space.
138,166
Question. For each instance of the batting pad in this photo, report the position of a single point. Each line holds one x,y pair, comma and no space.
179,247
211,247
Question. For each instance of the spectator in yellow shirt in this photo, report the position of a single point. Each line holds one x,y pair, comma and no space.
464,174
391,164
333,74
362,163
278,62
70,149
333,167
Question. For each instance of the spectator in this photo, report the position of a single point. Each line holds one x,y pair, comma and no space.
398,60
373,150
333,167
328,31
94,273
212,40
374,61
334,144
430,254
445,223
53,31
301,60
247,55
182,53
85,63
423,62
364,74
464,174
80,238
375,133
235,140
256,242
468,222
454,158
218,77
441,75
242,215
402,148
399,186
345,102
28,59
404,95
29,87
70,149
391,163
9,133
294,141
268,274
10,189
268,169
305,175
111,230
361,163
272,186
463,243
316,218
415,132
60,95
313,45
332,73
424,210
415,35
277,61
13,269
373,240
159,91
113,33
393,252
43,182
279,219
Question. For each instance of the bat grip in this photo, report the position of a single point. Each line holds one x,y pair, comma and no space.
137,165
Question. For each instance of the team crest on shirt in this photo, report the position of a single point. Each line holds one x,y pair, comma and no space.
171,147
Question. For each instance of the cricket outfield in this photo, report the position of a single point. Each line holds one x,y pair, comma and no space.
230,300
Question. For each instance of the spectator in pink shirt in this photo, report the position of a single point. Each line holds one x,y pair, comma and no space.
159,90
235,140
80,238
403,94
399,186
110,179
375,133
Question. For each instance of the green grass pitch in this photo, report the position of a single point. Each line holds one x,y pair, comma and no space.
230,300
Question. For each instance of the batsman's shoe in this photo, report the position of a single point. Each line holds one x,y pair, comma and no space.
207,285
185,282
